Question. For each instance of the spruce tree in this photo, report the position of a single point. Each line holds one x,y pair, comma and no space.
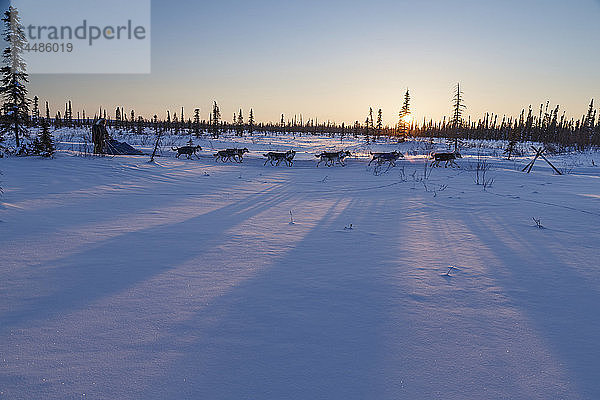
458,107
14,77
403,123
596,132
251,122
590,117
44,143
140,125
182,120
197,121
240,123
176,123
118,117
215,118
36,109
379,121
1,141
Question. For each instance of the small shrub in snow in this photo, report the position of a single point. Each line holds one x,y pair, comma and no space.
481,169
487,184
439,188
511,149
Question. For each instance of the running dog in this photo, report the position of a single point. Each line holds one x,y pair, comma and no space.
236,155
382,158
277,158
189,151
223,155
239,154
447,157
333,158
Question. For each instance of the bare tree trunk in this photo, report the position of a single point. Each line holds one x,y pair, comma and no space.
156,144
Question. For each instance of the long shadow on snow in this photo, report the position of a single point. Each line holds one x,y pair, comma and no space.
111,173
114,203
559,302
306,328
122,261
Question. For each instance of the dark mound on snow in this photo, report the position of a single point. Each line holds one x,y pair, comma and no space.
116,148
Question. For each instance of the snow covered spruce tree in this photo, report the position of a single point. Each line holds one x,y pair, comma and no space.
35,113
44,143
14,78
1,139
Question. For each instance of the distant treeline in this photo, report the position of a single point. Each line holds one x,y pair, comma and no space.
547,125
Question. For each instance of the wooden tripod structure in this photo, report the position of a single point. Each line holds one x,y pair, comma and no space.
539,152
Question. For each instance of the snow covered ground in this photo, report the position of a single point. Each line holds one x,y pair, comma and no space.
186,279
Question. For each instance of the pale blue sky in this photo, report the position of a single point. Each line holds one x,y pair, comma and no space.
333,59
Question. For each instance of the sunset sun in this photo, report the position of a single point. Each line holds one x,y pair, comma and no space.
407,119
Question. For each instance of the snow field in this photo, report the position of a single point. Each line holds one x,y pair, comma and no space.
185,279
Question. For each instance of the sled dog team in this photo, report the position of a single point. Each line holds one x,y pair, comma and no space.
236,155
329,158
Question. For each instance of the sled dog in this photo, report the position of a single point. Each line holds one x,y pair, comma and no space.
331,159
382,158
449,158
236,155
189,151
276,158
